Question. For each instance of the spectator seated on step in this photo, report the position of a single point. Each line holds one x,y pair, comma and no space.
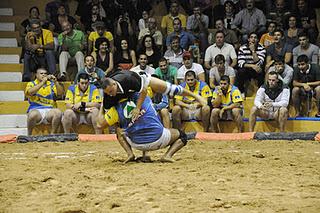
153,31
188,64
227,104
103,56
187,108
306,84
52,7
166,72
284,71
39,50
41,94
62,16
174,54
82,102
72,42
271,102
143,65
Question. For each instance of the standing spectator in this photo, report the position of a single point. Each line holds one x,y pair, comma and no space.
292,32
198,24
94,16
279,48
250,19
305,48
307,19
229,15
187,108
143,65
166,72
279,14
186,39
227,104
188,64
72,43
306,82
153,31
100,31
39,50
285,72
150,48
219,70
174,54
103,56
60,18
125,56
271,102
230,36
83,104
167,21
41,94
220,47
96,75
251,57
125,27
268,38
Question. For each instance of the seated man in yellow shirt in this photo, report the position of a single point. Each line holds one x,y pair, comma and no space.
187,108
100,31
227,104
41,94
82,103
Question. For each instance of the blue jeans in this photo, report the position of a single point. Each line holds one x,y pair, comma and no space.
33,62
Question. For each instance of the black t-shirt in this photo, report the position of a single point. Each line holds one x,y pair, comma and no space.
130,83
312,76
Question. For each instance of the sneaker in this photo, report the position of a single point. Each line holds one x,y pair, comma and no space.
191,135
317,115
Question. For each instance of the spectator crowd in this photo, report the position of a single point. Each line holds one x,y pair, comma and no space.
213,51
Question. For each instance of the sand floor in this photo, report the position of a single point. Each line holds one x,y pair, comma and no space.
231,176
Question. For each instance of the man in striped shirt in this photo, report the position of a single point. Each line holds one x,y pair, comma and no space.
251,58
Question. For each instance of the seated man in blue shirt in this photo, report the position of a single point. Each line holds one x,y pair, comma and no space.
146,133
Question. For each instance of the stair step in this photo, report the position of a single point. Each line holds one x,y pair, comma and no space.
9,59
8,42
11,68
10,76
21,107
13,121
10,50
12,86
6,12
7,26
17,131
11,95
10,34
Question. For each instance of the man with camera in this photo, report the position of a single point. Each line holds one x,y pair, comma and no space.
39,50
41,94
82,103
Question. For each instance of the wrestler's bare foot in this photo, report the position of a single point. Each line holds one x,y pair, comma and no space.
131,158
167,160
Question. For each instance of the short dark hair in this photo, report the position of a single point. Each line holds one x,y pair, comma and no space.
190,73
279,30
253,32
303,58
303,34
219,58
279,58
219,31
106,82
83,76
225,78
174,38
163,59
273,73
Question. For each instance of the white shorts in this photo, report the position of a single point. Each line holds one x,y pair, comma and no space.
43,113
145,80
162,142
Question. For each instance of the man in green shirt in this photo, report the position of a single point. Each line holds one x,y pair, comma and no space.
71,43
166,72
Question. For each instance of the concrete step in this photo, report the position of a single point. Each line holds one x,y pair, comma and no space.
17,131
11,68
7,26
12,86
6,12
10,34
13,121
20,107
10,50
10,76
8,42
11,95
9,59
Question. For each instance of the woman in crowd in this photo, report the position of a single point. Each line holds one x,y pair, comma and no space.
125,57
103,56
292,31
149,47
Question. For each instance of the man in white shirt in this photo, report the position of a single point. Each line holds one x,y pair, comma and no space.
189,65
143,67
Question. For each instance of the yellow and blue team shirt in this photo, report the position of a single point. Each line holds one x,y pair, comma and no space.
201,88
147,129
75,95
233,96
44,98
